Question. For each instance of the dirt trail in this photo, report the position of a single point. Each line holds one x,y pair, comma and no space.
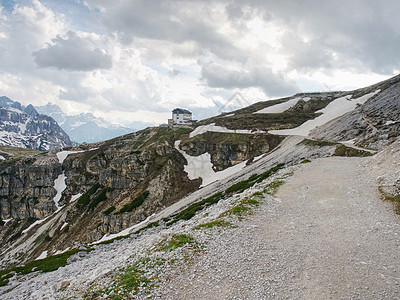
327,235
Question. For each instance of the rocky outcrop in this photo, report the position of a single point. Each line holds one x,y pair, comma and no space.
372,125
227,150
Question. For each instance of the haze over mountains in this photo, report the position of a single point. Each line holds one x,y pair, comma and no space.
85,127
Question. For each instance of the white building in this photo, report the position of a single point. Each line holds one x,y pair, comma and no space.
180,116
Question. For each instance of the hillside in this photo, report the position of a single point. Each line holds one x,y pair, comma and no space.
158,205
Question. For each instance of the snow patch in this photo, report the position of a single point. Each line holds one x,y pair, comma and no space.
258,157
63,226
6,221
390,122
214,128
61,251
35,223
75,197
336,108
279,108
43,255
202,167
59,186
62,155
2,157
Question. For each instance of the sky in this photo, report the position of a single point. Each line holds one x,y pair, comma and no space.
135,60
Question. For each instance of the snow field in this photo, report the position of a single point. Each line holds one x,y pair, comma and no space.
281,107
214,128
336,108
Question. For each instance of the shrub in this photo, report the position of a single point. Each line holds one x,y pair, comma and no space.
135,203
84,200
109,210
190,211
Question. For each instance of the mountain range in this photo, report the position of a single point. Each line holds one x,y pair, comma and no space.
85,127
124,218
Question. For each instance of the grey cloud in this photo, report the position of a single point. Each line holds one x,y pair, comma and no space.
359,32
170,21
273,84
72,53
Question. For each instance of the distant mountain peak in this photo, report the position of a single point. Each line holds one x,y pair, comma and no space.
84,127
24,127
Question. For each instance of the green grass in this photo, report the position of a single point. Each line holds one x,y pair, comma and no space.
84,200
273,187
241,186
395,199
342,150
151,225
190,211
176,241
305,161
102,196
242,208
134,203
109,210
47,264
215,223
129,281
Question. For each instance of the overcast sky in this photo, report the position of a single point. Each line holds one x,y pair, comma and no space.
136,60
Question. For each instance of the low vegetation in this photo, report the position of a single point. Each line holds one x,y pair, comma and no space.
190,211
176,241
215,223
395,199
134,203
84,200
342,150
47,264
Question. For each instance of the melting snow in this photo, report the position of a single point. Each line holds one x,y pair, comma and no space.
281,107
6,221
59,186
75,197
62,155
43,255
336,108
201,167
214,128
37,222
63,226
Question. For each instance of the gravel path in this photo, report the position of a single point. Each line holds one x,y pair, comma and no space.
326,235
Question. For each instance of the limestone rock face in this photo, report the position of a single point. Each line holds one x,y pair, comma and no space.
227,150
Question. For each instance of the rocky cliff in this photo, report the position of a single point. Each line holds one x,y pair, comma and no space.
108,186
